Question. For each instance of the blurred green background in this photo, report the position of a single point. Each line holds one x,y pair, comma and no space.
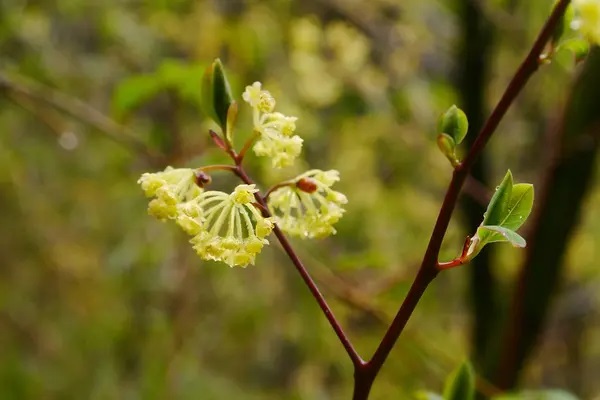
100,301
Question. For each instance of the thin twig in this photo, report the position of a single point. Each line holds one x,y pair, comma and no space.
219,167
346,292
275,187
240,156
310,283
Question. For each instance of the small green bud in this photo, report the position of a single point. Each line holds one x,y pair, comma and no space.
454,123
216,94
447,147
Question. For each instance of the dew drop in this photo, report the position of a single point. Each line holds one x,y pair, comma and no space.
68,140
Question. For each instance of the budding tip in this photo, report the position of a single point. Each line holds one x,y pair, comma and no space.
307,185
202,178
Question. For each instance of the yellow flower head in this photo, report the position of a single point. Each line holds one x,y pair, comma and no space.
587,19
171,188
225,227
258,98
277,140
309,207
229,227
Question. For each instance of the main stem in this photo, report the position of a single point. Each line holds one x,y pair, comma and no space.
366,373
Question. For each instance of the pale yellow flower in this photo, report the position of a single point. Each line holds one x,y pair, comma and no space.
276,131
282,150
225,227
171,187
262,100
229,228
308,207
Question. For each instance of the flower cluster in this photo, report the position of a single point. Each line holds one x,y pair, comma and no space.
587,19
171,188
307,206
233,227
225,227
276,131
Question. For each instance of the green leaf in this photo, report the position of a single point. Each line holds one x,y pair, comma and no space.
216,94
184,78
231,119
447,146
493,233
133,92
454,123
507,211
498,205
460,385
519,206
181,77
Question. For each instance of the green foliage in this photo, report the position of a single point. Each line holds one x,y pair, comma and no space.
216,94
448,147
454,123
460,385
452,129
182,78
507,211
133,92
494,233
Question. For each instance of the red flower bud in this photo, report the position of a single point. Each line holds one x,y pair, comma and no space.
307,185
202,178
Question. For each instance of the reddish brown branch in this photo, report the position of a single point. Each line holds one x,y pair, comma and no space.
305,275
365,374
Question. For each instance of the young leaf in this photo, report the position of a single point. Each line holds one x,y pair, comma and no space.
454,123
494,233
447,146
507,211
519,206
498,205
133,92
232,113
182,77
460,385
216,94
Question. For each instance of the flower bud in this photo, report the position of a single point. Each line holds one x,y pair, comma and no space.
307,185
454,123
202,178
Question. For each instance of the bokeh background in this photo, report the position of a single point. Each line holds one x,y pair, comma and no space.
100,301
